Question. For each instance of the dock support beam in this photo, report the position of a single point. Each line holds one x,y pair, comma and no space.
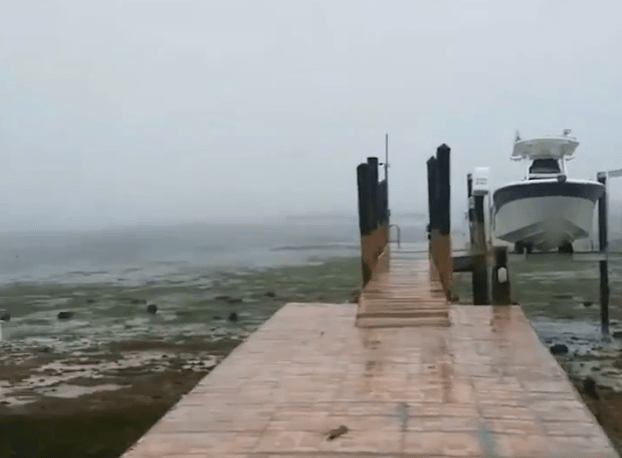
603,265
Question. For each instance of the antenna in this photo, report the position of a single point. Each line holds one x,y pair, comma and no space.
386,171
567,132
517,137
386,156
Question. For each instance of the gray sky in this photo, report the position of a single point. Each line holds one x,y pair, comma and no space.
124,111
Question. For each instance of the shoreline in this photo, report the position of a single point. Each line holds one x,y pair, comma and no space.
96,396
97,405
95,400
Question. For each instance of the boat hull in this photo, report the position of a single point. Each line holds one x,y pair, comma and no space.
545,214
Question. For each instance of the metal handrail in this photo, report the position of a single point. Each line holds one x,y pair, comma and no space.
398,233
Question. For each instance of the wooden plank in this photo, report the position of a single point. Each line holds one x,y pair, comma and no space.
403,291
400,391
417,378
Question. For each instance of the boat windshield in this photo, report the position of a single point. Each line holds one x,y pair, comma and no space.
545,166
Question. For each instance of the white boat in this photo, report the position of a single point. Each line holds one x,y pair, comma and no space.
546,210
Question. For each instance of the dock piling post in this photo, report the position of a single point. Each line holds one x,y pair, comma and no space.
603,264
443,229
501,294
432,201
480,259
366,220
470,211
376,205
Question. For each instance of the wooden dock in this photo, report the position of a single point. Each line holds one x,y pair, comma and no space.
416,378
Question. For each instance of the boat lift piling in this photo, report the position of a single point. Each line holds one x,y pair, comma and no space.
479,247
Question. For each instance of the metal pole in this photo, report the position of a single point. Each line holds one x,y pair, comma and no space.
603,265
386,174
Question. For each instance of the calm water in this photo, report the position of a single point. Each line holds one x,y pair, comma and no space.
140,254
196,275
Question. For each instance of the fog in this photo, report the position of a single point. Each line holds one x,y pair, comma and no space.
128,112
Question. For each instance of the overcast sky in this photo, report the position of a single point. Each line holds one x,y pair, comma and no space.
126,111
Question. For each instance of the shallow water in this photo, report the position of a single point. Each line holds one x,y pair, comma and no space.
196,275
107,313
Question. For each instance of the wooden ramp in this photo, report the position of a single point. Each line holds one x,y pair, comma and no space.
404,291
484,386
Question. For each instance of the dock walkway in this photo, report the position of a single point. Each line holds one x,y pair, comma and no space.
416,378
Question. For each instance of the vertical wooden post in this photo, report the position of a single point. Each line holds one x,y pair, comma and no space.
480,265
432,208
372,164
603,264
501,294
377,237
470,212
443,244
366,221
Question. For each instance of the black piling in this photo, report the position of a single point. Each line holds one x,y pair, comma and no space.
444,195
439,192
470,212
366,222
373,215
366,219
479,250
432,188
603,264
372,164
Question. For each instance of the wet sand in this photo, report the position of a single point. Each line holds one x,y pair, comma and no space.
93,385
96,405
